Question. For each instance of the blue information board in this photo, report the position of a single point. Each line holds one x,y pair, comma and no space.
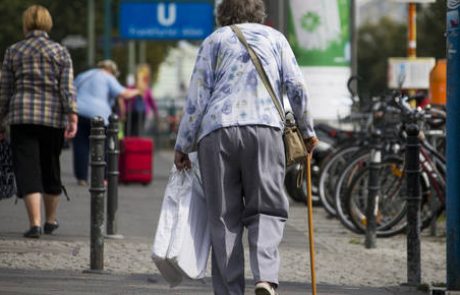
166,20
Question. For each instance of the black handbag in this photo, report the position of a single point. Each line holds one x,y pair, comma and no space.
7,179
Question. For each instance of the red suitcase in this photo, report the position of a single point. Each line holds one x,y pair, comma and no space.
136,160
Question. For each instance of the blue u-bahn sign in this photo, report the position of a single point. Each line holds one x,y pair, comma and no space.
166,20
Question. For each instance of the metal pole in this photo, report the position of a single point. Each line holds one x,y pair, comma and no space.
434,221
107,29
180,71
413,205
354,40
142,52
412,31
354,47
131,57
91,34
113,151
97,189
412,40
373,188
281,13
433,201
453,146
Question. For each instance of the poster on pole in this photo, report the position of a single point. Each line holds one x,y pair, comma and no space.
319,33
410,73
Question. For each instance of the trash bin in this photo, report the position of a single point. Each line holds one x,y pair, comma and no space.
438,78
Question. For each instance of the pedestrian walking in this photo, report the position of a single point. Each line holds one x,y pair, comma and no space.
143,108
230,118
98,91
37,102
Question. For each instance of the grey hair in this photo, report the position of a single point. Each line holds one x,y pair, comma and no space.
232,12
109,65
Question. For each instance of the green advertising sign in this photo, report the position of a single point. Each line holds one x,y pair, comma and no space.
319,32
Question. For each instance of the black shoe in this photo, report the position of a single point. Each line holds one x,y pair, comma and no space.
48,228
34,232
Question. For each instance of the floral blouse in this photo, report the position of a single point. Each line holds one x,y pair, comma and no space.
226,90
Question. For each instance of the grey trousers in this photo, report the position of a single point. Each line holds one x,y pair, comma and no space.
242,170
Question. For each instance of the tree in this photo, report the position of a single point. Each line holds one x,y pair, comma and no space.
70,18
431,28
376,43
386,38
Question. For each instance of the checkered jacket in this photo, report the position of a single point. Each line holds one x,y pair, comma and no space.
36,83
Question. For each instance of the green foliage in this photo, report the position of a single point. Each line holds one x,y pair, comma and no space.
376,43
431,27
387,38
70,18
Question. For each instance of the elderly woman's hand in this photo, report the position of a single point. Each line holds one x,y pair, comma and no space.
311,143
182,161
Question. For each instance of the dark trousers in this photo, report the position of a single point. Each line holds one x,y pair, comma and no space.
81,149
135,124
36,150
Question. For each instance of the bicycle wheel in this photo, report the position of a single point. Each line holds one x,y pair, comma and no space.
330,172
297,188
391,201
358,163
426,212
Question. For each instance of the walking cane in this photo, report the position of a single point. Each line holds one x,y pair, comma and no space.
310,225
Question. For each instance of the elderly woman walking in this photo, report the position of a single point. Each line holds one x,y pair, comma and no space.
231,120
98,90
37,100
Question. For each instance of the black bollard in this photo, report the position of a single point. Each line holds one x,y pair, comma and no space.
373,190
113,150
413,205
97,189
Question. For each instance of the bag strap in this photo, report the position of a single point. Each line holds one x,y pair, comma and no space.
260,69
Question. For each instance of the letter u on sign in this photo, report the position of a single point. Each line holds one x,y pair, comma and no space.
166,19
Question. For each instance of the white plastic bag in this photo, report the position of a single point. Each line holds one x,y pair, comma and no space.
182,241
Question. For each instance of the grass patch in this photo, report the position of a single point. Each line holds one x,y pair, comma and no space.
355,241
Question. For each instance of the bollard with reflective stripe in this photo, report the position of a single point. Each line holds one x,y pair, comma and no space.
97,189
373,188
113,151
414,198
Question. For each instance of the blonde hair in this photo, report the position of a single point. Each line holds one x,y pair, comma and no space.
37,17
143,77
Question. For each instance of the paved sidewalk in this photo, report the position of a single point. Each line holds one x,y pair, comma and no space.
75,283
54,264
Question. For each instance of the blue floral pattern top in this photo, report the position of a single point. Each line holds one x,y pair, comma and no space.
225,88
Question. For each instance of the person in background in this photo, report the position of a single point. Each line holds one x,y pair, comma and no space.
143,109
37,101
230,118
97,92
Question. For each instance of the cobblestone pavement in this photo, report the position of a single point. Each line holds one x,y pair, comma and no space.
343,265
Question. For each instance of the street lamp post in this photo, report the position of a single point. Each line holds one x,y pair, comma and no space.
91,34
107,29
412,30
